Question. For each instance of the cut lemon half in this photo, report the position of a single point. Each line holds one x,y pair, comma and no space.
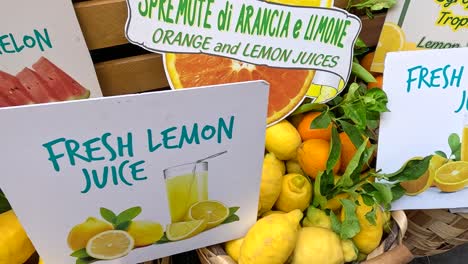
184,230
213,212
110,244
452,177
420,185
391,39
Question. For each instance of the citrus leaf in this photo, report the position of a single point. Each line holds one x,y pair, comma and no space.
108,215
353,133
163,239
372,216
335,150
357,113
412,170
326,183
233,210
383,193
319,199
441,153
376,100
368,200
335,223
397,192
353,167
230,219
454,142
4,204
128,215
321,121
350,225
123,226
353,93
80,253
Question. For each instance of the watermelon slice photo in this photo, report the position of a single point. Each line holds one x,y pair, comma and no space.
45,83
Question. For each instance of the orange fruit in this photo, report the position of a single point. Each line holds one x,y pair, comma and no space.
377,84
313,133
348,150
287,86
452,176
366,62
313,155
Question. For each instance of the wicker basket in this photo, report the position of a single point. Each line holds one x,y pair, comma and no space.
414,234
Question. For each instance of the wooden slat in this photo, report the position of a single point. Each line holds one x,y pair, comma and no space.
371,29
131,75
102,22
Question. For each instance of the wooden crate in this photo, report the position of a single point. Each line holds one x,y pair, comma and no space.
123,68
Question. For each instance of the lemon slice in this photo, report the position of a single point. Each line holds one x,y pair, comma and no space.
184,230
213,212
391,39
452,177
110,244
420,185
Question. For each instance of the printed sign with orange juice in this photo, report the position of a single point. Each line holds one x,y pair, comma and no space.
137,179
307,45
415,25
427,128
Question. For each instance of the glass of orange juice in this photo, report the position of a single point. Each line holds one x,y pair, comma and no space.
464,140
185,185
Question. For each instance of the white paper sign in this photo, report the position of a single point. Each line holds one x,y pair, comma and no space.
136,152
428,100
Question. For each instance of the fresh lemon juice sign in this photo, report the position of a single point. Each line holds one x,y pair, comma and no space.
134,178
427,126
429,24
300,51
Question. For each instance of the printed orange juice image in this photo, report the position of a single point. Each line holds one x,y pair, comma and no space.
464,142
186,185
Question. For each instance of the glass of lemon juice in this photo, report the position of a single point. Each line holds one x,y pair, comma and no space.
185,185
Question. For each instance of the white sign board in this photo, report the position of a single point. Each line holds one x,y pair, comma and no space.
428,100
82,163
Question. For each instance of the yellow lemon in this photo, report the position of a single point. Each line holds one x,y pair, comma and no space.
392,38
40,261
296,193
15,246
350,252
316,217
233,247
270,185
81,233
318,245
282,139
145,233
293,166
185,230
452,177
272,212
370,235
213,212
415,187
271,240
110,244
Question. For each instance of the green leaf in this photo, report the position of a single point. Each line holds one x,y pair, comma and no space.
80,253
86,260
233,210
335,223
321,121
353,167
362,73
384,192
309,107
376,100
230,219
327,182
372,216
319,200
441,153
357,113
335,150
455,145
108,215
163,240
128,215
368,200
4,204
350,225
412,170
353,93
397,192
353,133
123,226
